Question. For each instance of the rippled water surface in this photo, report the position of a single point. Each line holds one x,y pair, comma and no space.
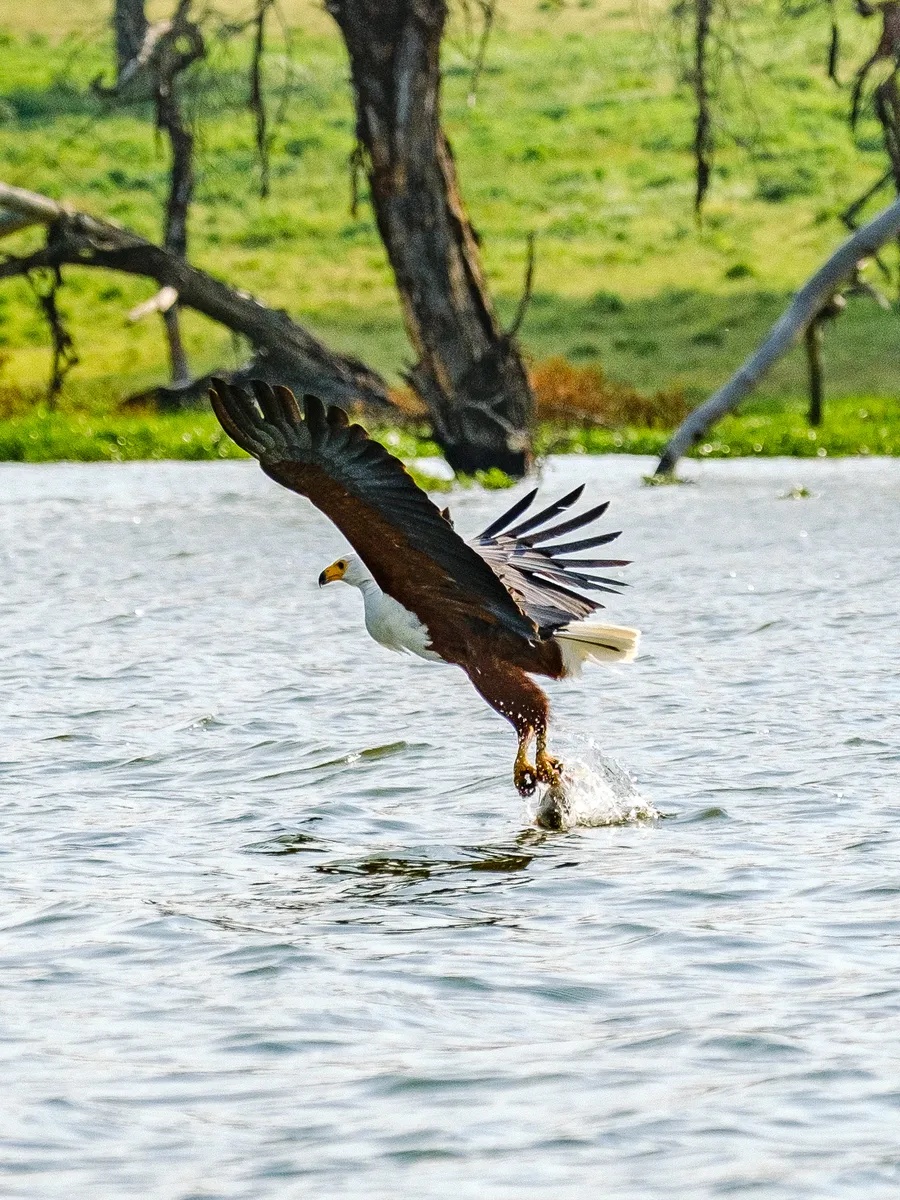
276,924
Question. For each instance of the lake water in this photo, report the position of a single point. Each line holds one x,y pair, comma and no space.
276,924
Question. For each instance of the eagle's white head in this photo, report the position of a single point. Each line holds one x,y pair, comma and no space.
349,569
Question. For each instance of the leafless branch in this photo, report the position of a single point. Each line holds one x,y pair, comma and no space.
285,351
789,328
257,96
703,138
525,298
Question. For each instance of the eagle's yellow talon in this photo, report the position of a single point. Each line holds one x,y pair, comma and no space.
549,769
525,778
524,775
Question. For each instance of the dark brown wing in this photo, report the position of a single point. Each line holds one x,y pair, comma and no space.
410,548
542,579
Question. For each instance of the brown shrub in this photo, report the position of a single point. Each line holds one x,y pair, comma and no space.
583,395
408,403
16,401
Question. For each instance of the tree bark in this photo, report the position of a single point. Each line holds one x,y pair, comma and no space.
130,27
814,337
469,373
181,46
703,136
285,352
788,329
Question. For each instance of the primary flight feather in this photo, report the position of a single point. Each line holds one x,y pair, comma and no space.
502,607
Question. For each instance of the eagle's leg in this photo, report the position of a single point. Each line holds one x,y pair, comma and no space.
524,774
549,769
510,692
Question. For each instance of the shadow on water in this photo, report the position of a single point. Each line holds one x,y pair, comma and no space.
598,792
420,875
483,859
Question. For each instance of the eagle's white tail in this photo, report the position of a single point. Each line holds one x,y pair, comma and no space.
600,643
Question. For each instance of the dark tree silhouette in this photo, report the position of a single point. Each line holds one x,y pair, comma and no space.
469,372
130,26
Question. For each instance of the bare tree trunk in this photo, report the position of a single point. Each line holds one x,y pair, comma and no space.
469,373
257,98
176,50
285,352
809,302
130,27
814,337
703,137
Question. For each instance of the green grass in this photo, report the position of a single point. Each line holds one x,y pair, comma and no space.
850,427
581,133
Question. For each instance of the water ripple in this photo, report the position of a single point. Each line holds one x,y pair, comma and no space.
275,923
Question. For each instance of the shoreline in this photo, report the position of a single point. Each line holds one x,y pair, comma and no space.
853,427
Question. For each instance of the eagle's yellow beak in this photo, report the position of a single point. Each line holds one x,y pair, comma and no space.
332,573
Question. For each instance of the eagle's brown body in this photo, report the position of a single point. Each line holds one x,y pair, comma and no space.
491,610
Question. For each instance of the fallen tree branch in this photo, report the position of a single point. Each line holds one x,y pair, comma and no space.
787,331
285,351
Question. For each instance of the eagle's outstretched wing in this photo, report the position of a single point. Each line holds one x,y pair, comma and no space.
410,548
542,579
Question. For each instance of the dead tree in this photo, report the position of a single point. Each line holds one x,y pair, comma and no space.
885,101
130,26
703,133
167,50
256,98
284,351
806,306
181,46
469,372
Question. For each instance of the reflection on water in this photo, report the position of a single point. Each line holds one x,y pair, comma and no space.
275,922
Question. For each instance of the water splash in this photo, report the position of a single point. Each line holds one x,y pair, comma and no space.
595,790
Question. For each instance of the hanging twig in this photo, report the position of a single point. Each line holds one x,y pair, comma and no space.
703,136
356,161
525,298
257,99
850,214
834,45
488,13
64,356
852,211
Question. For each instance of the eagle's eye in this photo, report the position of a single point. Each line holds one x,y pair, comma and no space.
342,566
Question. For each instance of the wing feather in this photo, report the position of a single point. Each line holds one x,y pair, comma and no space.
573,523
584,544
510,515
546,513
411,550
542,580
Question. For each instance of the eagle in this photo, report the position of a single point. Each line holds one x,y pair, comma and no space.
503,607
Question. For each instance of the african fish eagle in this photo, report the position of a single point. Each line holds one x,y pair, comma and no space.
502,607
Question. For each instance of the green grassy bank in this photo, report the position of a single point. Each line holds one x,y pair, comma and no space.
581,133
850,427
